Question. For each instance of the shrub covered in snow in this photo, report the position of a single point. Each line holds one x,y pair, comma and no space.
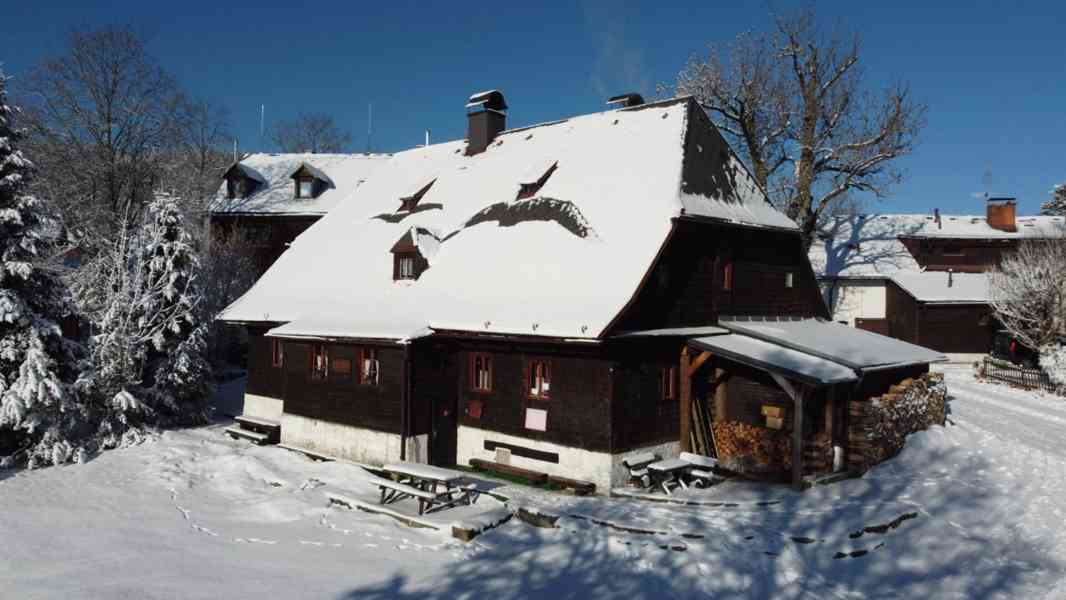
1053,362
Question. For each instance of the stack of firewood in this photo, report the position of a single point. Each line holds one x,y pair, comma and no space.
753,446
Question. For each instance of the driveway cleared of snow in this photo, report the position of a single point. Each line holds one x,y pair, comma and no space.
971,510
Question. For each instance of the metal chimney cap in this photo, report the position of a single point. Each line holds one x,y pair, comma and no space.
627,100
490,99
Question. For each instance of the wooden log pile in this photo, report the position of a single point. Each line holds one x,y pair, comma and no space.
878,427
752,449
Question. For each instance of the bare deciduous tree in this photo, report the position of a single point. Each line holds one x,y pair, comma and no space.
100,116
794,103
1027,291
310,132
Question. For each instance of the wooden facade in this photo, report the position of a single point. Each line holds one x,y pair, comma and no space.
946,327
266,236
958,254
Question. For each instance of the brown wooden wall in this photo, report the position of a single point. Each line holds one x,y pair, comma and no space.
341,398
267,236
263,378
578,405
684,288
902,312
960,255
640,416
963,328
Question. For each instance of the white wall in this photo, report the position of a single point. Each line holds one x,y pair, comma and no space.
263,407
859,299
350,443
601,468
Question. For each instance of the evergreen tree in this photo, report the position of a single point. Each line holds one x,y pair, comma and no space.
1057,204
35,360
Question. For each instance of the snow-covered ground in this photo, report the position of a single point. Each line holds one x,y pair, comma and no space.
978,509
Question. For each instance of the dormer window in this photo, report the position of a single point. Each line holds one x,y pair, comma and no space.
535,180
411,254
310,181
242,181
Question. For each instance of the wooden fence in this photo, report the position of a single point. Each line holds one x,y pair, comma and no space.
1032,379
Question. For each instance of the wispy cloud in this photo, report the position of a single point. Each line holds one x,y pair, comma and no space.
618,64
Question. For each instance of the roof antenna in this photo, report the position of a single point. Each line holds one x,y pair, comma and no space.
262,118
369,125
234,149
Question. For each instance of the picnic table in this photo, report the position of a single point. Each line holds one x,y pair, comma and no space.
670,471
435,488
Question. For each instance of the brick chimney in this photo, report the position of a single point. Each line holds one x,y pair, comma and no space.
1001,214
486,117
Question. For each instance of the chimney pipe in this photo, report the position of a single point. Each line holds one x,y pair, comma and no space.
951,278
1001,213
626,100
487,118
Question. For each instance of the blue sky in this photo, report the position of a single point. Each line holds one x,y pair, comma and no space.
993,74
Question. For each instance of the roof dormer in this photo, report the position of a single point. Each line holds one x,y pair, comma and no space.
535,178
412,252
414,196
309,181
242,181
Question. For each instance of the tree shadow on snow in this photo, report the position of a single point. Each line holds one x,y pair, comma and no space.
871,536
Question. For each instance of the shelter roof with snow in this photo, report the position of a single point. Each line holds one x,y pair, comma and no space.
558,253
274,193
938,287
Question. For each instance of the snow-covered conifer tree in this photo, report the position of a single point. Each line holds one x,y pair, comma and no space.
35,360
1057,204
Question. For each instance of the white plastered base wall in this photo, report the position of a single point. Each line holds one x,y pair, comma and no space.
350,443
602,468
263,407
859,300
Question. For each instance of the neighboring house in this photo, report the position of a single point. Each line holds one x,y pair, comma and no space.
532,296
266,200
890,273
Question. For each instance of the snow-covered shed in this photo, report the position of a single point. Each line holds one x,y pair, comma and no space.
466,301
266,200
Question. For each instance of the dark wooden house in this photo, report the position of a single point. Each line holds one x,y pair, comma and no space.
266,200
889,273
534,297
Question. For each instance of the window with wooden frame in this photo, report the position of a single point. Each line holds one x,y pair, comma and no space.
727,276
305,187
480,372
538,379
369,366
668,383
789,279
406,265
276,357
319,362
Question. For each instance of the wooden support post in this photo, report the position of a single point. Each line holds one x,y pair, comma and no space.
796,393
797,442
685,398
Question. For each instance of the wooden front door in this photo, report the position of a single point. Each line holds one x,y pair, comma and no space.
443,420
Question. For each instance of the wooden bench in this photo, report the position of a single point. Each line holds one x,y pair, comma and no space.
702,472
394,491
578,487
253,436
638,467
534,477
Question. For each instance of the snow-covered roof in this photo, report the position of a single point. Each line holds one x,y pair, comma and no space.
871,246
276,192
775,358
560,264
932,286
855,348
